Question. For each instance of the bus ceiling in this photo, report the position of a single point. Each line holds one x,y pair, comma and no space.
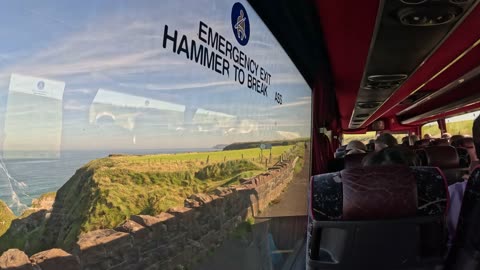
400,61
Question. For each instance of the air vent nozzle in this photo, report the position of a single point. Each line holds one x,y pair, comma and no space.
362,115
413,2
459,1
428,16
384,82
387,78
368,105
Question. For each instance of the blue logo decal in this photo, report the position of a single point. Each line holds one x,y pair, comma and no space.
240,24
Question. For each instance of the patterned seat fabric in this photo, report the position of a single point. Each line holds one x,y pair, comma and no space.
328,197
432,191
471,201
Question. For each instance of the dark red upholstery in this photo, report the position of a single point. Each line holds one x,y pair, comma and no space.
468,144
326,191
354,160
447,159
443,142
444,157
464,156
422,143
382,192
456,140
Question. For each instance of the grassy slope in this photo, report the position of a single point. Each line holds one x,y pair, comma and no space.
454,128
6,217
106,191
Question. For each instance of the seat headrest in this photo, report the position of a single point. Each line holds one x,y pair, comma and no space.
443,142
467,142
445,157
327,192
422,143
379,192
455,140
354,160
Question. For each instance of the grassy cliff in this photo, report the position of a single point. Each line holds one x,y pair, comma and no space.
105,192
6,217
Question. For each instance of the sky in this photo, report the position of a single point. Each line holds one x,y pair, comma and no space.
110,84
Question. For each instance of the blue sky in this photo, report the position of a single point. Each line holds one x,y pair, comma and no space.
116,46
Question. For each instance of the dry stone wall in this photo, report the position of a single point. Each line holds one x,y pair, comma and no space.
176,239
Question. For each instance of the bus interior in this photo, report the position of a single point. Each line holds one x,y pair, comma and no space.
179,164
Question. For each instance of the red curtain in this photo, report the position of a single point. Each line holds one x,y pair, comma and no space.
324,115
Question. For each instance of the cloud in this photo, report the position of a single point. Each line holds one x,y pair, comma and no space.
293,104
80,91
73,105
178,86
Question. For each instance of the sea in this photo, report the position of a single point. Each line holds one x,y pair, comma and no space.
23,180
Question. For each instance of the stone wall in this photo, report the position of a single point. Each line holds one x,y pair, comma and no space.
176,239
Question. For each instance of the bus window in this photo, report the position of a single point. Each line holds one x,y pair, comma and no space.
183,123
364,138
461,124
432,129
399,136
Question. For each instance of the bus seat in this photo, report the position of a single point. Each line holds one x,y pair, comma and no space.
468,144
370,147
465,251
354,160
340,152
442,142
422,143
455,140
464,157
447,159
373,194
368,218
336,164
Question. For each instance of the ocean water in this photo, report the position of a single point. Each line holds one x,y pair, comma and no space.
31,178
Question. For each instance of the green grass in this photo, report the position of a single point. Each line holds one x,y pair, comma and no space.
454,128
460,127
6,217
107,191
365,138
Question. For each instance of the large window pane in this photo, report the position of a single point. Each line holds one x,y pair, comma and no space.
142,112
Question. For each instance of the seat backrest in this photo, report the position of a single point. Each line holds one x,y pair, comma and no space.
370,147
421,157
469,144
456,140
464,157
432,191
326,190
465,251
372,211
382,192
354,160
444,157
440,142
422,143
448,160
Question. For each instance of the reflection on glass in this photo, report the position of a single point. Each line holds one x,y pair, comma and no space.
33,121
